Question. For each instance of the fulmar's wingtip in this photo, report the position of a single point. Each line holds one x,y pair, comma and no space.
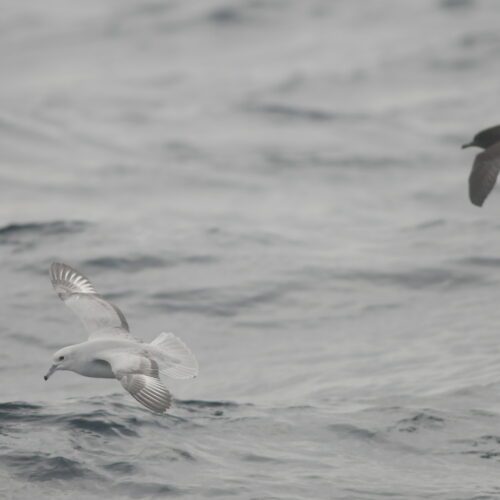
66,279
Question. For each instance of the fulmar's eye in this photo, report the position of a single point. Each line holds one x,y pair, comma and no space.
61,358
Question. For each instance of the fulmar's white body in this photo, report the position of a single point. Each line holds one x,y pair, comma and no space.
88,356
111,351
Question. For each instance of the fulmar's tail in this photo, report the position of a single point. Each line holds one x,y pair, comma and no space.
174,357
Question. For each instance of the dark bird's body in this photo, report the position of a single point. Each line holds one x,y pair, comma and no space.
486,165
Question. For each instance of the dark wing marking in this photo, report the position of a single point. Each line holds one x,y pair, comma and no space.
484,174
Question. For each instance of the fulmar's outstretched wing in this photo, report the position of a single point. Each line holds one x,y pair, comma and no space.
100,317
139,375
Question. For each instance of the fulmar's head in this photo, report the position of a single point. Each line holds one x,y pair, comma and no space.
485,138
61,360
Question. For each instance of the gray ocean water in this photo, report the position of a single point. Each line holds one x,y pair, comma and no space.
281,184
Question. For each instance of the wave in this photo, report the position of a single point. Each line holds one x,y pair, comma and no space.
352,431
130,264
117,430
43,467
487,447
481,261
56,227
222,303
199,403
98,423
418,278
255,13
289,112
140,262
18,411
421,420
107,415
455,4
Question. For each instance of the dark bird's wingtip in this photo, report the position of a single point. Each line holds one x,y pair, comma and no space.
45,378
467,145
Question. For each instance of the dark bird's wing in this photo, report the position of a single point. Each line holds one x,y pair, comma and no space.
484,174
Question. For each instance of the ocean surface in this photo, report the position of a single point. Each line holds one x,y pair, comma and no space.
280,183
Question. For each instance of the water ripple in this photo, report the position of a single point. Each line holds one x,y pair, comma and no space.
42,467
40,229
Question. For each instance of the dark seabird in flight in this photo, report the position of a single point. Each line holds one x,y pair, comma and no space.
486,165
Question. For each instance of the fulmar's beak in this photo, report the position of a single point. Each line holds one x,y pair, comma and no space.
52,369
